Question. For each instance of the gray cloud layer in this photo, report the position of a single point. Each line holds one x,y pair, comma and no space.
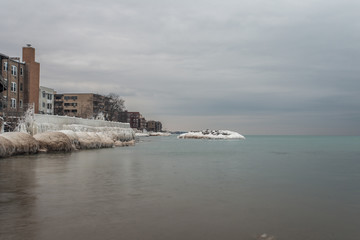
258,67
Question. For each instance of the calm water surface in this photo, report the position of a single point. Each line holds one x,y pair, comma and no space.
165,188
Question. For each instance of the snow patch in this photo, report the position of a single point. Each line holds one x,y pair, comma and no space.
212,134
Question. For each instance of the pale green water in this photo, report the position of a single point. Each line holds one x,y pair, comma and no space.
164,188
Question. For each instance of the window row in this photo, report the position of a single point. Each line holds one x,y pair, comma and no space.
70,97
70,104
68,111
14,69
13,103
48,106
49,95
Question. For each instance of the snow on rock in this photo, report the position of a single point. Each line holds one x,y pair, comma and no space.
23,142
62,133
74,139
125,144
141,134
106,140
159,134
7,148
212,134
265,236
88,140
53,142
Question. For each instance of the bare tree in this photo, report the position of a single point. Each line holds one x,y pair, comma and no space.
114,105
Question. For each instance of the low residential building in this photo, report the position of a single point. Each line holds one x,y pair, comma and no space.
83,105
153,126
136,120
46,100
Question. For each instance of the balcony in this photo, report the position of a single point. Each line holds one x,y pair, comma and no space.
3,84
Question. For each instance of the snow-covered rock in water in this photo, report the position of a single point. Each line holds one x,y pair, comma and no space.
124,144
265,236
23,142
53,142
159,134
212,134
142,134
7,148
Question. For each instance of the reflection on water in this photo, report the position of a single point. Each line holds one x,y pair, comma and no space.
164,188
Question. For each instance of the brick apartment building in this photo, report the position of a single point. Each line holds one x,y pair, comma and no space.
153,126
83,105
19,84
136,120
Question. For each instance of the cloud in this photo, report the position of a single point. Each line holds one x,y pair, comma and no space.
205,60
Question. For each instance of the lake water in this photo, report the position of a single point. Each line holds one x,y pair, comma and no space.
289,187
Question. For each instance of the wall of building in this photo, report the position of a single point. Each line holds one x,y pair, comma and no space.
12,92
46,100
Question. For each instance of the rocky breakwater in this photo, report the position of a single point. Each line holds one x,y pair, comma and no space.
34,137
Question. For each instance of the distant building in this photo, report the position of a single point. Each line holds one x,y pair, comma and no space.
46,100
153,126
83,105
19,84
136,120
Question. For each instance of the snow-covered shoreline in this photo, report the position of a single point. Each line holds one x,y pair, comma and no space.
16,143
212,134
64,134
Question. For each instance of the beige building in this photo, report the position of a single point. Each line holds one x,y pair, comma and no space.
83,105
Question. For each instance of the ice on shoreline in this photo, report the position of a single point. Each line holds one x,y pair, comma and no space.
12,143
64,134
212,134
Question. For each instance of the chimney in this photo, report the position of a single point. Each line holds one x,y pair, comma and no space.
28,54
32,77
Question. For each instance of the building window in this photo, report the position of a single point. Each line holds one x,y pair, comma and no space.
70,97
21,71
43,104
70,104
5,102
13,103
6,66
14,70
21,103
13,86
21,86
49,96
49,106
44,94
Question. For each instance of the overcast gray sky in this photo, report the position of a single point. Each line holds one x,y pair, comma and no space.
252,66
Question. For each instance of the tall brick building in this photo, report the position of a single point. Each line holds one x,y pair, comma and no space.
19,83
